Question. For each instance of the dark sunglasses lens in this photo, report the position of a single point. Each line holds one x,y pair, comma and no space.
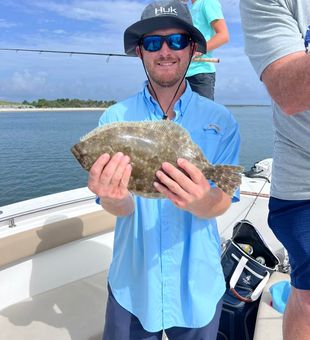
152,43
178,41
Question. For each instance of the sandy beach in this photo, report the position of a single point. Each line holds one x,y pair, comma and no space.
14,109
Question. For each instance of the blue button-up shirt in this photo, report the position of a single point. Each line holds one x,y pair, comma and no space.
166,266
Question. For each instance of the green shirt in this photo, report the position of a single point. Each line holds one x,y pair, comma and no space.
203,13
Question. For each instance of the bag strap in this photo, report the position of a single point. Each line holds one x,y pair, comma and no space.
235,277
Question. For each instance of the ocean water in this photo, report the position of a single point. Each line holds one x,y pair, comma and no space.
35,157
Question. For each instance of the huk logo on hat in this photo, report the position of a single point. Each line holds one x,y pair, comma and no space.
162,10
162,14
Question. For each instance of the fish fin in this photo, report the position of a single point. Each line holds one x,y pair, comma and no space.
167,125
80,156
226,177
104,128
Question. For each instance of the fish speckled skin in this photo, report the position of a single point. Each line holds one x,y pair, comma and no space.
149,144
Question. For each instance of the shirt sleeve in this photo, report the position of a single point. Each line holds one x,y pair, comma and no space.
270,32
212,10
229,147
106,117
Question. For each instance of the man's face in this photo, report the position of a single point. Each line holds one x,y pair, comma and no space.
166,67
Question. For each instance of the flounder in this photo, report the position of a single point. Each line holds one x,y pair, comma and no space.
149,144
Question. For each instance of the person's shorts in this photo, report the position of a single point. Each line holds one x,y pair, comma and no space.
120,324
203,84
290,222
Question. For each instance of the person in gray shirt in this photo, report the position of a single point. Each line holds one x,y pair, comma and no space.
276,42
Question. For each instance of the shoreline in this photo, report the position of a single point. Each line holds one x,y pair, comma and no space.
11,109
55,109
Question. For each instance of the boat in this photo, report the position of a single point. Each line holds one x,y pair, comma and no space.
55,253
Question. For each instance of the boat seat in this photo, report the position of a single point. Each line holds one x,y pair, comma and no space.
23,244
74,311
269,321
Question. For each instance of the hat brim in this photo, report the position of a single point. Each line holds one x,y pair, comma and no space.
135,32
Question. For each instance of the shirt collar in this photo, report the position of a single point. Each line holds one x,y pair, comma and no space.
180,106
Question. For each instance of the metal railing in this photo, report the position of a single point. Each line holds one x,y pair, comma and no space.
11,218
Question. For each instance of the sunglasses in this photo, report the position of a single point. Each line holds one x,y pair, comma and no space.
176,41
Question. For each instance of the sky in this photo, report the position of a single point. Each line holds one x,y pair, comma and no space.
98,26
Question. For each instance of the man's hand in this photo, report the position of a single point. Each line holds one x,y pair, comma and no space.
197,55
108,179
193,192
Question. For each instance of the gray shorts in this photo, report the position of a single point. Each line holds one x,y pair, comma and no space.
203,84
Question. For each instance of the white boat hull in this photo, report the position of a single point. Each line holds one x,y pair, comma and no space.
54,262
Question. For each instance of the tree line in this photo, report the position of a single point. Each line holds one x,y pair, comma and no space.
66,102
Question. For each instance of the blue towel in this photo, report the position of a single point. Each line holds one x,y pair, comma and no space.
280,293
307,38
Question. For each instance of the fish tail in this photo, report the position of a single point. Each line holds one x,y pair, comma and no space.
226,177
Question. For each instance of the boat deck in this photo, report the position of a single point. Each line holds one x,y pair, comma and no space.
74,311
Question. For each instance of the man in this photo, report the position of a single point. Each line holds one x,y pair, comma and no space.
166,270
208,18
275,40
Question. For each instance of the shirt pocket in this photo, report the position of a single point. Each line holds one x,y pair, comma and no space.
208,139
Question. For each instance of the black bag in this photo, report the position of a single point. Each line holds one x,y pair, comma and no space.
244,272
238,318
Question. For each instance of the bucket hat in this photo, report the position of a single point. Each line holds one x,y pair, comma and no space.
160,15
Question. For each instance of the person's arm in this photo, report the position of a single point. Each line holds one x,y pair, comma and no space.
123,207
288,82
108,179
275,47
193,192
221,35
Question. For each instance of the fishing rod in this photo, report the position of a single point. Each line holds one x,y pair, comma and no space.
64,52
209,60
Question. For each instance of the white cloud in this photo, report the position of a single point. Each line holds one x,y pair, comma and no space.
23,83
106,35
59,31
114,15
6,24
